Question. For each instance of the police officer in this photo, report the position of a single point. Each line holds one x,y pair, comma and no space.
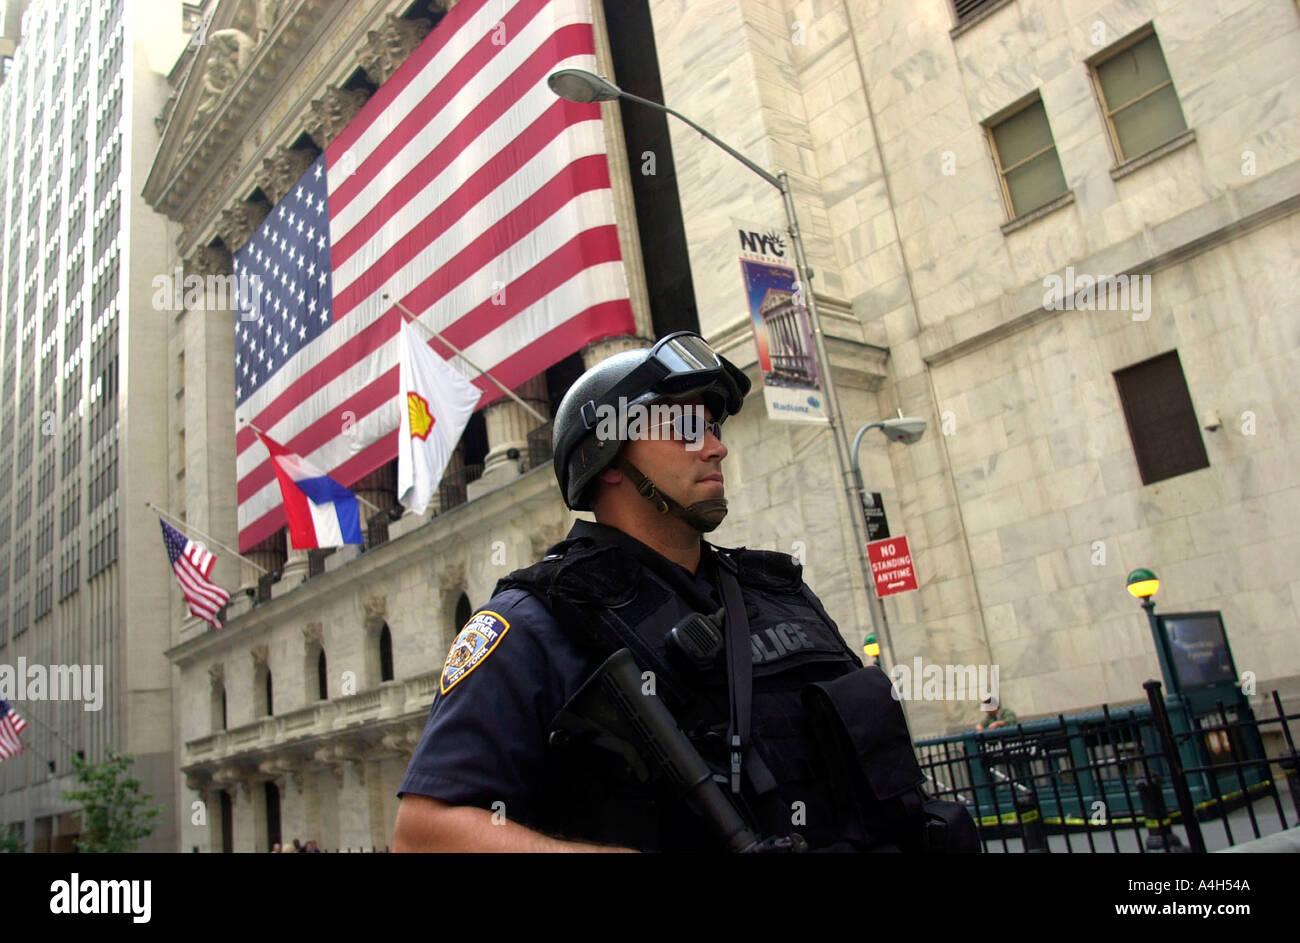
811,748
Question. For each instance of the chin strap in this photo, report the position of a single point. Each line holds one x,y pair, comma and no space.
704,516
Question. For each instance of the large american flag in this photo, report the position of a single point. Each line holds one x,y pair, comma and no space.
465,189
192,562
11,725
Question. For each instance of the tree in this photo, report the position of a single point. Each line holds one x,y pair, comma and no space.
112,819
10,842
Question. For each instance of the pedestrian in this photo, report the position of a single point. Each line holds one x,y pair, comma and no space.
497,767
993,714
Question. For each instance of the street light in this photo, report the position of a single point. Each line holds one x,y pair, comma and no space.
907,430
578,85
1142,584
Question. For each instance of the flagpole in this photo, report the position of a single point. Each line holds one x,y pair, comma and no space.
373,508
461,354
207,537
32,717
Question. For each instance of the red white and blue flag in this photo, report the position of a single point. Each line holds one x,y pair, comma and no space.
321,512
192,563
465,189
11,725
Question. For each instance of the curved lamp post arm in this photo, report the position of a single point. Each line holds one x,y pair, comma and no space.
770,178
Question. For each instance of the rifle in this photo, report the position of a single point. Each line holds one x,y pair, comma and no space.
612,709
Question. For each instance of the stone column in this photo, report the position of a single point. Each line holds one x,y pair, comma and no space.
331,113
508,425
282,169
620,180
388,46
593,354
200,789
293,572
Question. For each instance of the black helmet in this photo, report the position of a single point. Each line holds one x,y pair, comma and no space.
680,364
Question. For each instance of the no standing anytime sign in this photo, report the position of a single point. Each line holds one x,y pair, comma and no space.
891,565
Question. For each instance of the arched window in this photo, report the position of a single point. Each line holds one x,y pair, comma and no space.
272,796
227,824
322,682
463,611
385,654
218,705
263,703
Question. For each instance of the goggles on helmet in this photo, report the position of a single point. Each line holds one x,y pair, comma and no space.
678,364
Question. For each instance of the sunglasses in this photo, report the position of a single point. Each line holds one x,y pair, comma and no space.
692,427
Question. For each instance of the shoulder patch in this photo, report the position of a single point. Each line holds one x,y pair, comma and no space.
475,642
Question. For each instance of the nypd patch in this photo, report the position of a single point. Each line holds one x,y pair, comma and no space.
474,643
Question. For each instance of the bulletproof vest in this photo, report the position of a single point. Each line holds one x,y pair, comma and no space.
608,596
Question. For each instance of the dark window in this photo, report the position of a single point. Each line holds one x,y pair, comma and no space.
227,824
966,9
322,678
270,703
272,815
1161,419
463,611
224,716
385,654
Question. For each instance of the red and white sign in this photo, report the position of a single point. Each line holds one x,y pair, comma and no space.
891,565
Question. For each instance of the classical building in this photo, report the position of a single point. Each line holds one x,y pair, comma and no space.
84,404
1060,233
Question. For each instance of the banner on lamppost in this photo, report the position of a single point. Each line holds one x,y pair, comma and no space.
778,314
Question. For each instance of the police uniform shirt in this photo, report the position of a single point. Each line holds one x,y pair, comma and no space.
485,739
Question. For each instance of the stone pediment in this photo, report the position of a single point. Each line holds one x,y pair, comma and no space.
258,75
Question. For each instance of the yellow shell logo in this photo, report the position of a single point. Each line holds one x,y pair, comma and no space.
421,419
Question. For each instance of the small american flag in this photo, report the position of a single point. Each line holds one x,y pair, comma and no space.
192,562
11,725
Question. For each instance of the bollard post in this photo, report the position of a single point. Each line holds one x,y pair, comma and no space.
1027,813
1160,836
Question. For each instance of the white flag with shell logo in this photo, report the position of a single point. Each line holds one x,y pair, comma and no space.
436,403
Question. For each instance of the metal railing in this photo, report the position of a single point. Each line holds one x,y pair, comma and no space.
1139,778
452,490
539,446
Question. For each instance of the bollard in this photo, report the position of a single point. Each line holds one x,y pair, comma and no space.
1160,836
1031,823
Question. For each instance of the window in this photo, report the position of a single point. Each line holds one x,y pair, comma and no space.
1137,96
1025,155
218,705
968,10
322,678
1161,420
385,654
263,703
